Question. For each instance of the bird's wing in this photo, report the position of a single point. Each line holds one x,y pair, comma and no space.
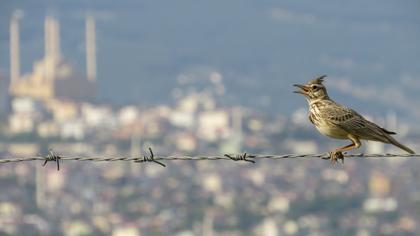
354,123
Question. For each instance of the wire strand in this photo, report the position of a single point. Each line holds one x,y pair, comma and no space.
52,156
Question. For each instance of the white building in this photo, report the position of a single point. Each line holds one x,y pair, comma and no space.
213,125
25,114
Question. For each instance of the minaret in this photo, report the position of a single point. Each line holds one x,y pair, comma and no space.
52,37
55,36
15,47
47,39
90,49
52,45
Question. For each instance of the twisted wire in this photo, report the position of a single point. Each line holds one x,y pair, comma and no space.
52,156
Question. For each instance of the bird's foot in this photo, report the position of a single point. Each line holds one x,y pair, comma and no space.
335,156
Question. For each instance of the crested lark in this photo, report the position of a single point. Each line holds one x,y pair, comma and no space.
337,121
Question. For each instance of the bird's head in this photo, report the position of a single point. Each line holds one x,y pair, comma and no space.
313,89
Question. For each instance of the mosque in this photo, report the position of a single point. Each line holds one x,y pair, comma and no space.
53,77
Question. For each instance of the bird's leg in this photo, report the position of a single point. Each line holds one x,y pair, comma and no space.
338,153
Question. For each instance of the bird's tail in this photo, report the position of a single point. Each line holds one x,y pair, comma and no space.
396,143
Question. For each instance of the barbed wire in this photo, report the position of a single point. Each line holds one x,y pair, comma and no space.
55,157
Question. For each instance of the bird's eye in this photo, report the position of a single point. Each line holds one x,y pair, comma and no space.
314,86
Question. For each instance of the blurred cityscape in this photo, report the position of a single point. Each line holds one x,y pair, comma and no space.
56,106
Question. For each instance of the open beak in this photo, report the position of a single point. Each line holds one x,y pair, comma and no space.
302,89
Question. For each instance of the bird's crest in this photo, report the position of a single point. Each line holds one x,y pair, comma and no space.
318,80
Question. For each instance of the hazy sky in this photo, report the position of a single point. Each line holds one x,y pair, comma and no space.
260,47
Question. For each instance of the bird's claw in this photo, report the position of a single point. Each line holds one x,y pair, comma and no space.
335,156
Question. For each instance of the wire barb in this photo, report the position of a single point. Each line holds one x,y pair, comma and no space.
52,156
241,157
151,158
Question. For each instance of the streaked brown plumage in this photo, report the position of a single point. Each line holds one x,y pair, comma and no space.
337,121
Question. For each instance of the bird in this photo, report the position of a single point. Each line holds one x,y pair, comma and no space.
340,122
